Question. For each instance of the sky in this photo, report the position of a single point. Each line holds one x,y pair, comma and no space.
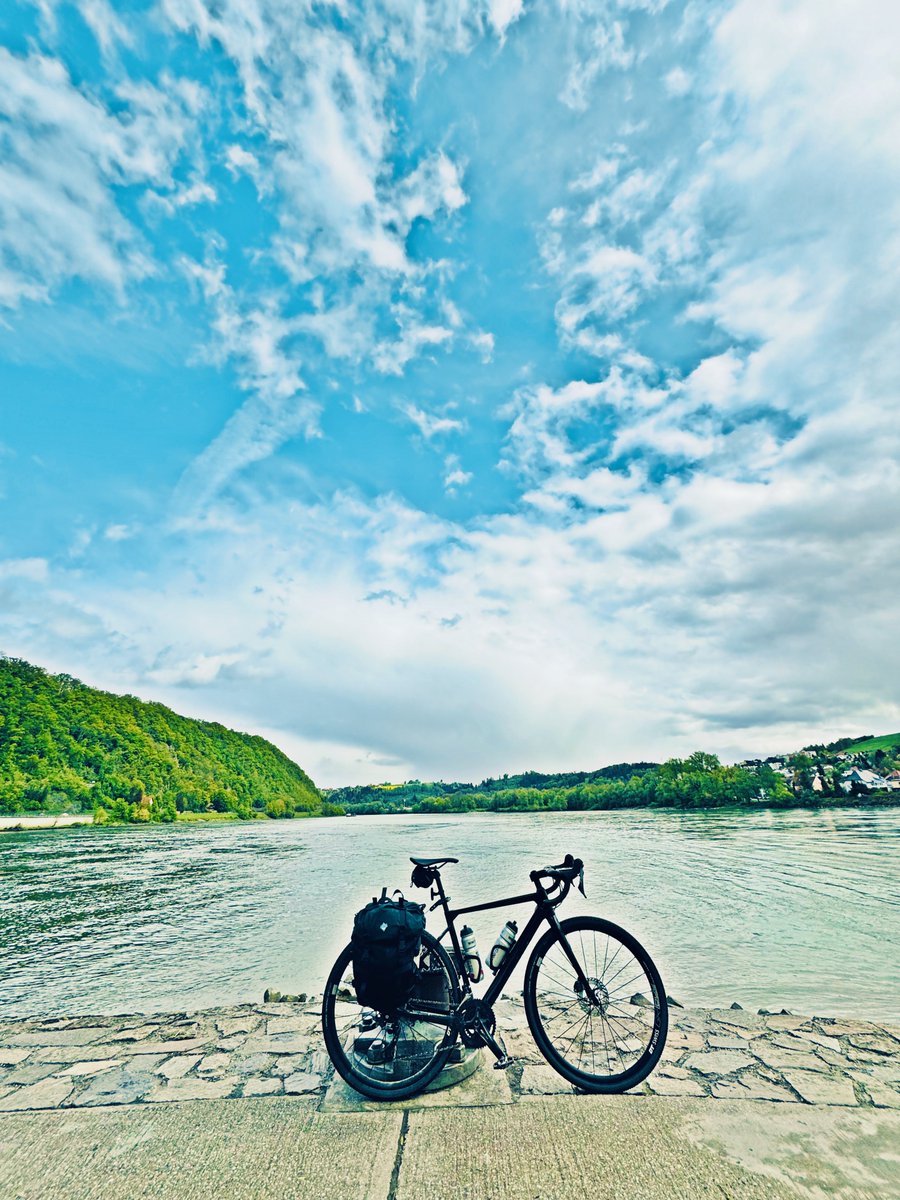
450,389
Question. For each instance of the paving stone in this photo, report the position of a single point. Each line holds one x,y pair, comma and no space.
884,1072
838,1027
718,1062
881,1045
302,1024
738,1018
60,1037
114,1087
193,1089
48,1093
10,1056
30,1073
780,1056
262,1087
691,1021
320,1061
289,1064
93,1067
259,1064
178,1066
663,1085
303,1081
819,1039
133,1035
786,1021
721,1042
684,1041
142,1062
751,1087
174,1045
229,1026
816,1088
673,1072
214,1064
231,1043
543,1081
881,1095
282,1043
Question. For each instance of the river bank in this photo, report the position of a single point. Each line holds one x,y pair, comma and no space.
276,1050
21,823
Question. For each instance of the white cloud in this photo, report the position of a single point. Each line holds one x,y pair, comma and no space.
454,476
63,155
430,425
504,13
678,82
260,344
119,532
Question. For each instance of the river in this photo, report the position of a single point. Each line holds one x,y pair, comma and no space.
795,909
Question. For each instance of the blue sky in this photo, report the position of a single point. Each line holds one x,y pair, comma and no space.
443,390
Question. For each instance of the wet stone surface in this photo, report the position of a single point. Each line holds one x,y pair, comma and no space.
276,1050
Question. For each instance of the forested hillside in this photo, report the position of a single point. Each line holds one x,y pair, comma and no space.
65,746
700,781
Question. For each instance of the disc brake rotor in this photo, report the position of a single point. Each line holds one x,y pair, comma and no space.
598,987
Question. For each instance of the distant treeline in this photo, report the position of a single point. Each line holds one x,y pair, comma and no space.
68,747
699,781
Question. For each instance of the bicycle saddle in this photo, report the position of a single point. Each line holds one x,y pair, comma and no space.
432,862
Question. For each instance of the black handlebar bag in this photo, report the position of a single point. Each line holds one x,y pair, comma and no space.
387,936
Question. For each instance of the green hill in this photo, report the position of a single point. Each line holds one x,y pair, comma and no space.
65,746
887,742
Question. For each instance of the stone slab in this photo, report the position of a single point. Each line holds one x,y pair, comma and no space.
815,1088
119,1086
718,1062
10,1055
483,1088
255,1149
48,1093
192,1089
628,1148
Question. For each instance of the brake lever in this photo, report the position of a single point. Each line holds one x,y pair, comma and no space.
581,882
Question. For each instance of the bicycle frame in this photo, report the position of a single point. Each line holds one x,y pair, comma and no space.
545,910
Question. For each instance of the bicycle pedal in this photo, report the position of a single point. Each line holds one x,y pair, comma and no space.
502,1063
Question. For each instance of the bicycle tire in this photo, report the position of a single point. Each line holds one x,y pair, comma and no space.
553,995
344,1029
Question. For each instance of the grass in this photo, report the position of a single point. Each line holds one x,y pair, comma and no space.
887,741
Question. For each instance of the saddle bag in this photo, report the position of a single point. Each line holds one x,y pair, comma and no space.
387,936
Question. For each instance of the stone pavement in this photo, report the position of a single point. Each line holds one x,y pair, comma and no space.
243,1103
276,1050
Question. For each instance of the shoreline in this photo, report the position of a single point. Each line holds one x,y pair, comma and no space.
28,822
275,1049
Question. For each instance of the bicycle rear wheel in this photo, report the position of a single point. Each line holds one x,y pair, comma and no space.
611,1043
392,1056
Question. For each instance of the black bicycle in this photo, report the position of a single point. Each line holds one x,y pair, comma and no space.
594,1000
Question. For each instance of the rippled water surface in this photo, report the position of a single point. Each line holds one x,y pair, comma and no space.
795,909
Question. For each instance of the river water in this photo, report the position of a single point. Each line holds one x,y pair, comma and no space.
793,909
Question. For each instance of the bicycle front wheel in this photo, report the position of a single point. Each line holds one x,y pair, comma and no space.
609,1043
392,1056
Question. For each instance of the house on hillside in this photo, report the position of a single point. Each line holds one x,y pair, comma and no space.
892,781
862,777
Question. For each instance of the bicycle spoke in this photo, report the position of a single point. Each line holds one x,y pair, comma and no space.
594,1033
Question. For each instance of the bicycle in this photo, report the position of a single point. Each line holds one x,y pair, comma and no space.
593,999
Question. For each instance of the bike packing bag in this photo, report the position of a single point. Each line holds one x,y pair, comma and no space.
387,935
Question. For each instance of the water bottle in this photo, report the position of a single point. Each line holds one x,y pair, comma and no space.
505,939
471,960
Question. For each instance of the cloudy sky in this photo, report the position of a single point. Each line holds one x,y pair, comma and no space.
444,389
